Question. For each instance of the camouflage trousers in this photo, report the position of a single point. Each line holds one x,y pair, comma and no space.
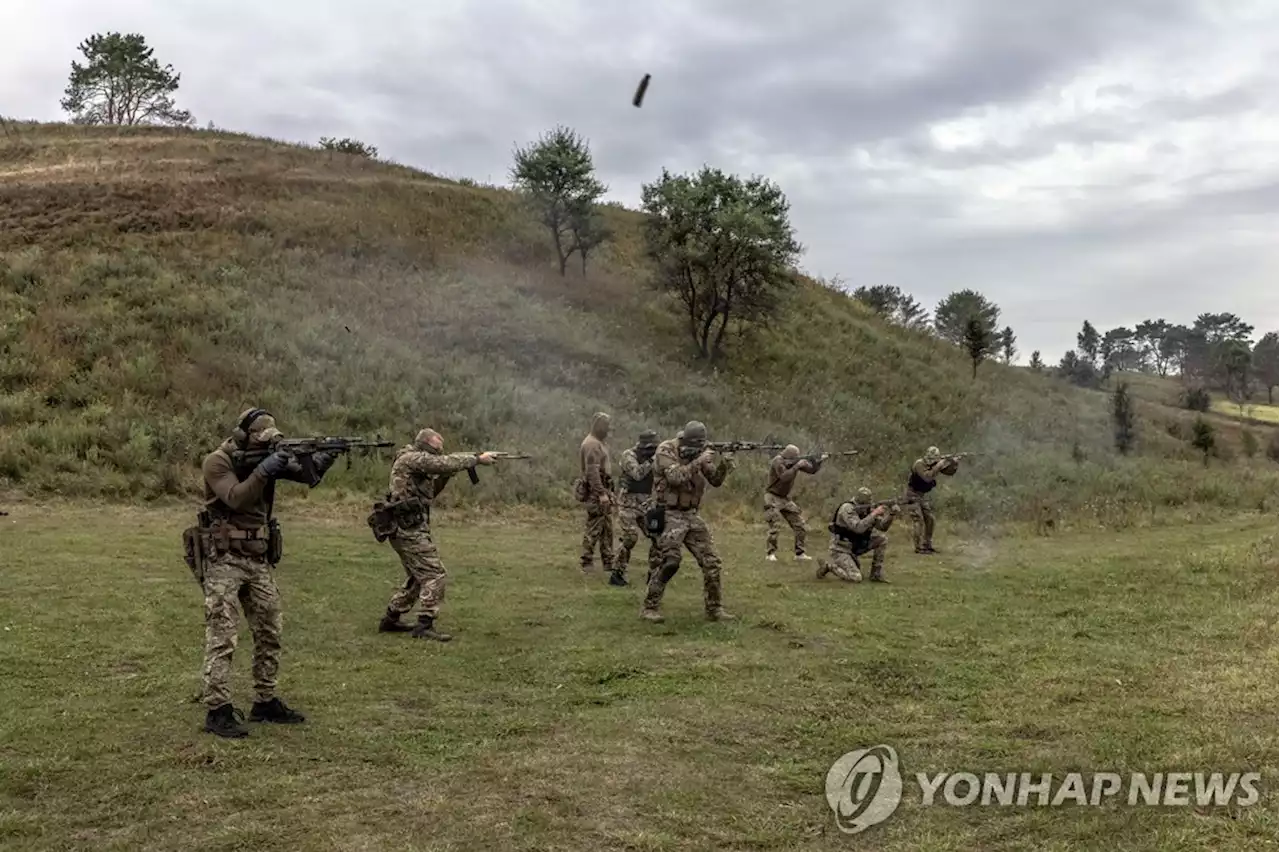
684,529
842,563
631,511
777,509
598,533
425,576
921,509
231,578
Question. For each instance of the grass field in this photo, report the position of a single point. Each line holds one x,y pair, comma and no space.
1253,411
558,720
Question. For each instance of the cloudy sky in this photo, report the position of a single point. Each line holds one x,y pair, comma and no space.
1110,160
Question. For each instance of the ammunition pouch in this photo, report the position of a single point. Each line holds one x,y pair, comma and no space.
655,520
391,515
950,468
193,552
580,490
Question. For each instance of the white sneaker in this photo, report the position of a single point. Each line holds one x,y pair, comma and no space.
771,558
803,557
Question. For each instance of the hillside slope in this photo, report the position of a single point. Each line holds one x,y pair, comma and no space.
154,283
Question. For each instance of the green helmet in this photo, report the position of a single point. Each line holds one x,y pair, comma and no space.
694,434
862,497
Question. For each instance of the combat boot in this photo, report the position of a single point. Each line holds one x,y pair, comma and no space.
275,710
391,623
426,630
616,579
823,570
652,615
226,721
803,557
720,614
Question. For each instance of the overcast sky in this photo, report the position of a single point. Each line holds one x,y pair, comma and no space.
1110,160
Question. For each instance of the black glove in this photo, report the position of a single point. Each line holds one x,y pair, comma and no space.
322,462
275,464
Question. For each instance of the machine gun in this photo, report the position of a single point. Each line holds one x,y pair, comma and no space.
302,451
497,454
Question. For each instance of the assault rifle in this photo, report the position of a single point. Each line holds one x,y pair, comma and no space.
958,456
497,454
302,451
817,458
743,446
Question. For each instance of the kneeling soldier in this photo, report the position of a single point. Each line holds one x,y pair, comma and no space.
857,528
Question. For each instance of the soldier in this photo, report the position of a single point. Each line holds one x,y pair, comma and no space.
418,475
595,489
683,467
637,484
857,528
241,545
920,482
778,503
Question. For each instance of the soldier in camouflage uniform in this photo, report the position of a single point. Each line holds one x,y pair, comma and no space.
856,529
683,468
595,489
419,473
633,501
922,479
778,504
238,500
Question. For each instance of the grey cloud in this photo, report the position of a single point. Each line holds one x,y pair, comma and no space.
452,87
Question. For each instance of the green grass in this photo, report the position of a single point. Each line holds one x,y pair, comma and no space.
557,719
154,283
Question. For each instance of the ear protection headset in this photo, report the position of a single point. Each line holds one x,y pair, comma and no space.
241,433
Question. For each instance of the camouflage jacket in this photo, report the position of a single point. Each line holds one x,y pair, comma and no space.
424,474
681,485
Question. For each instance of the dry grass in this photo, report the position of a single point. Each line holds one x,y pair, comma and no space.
153,283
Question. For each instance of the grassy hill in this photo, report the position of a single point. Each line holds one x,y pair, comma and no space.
153,283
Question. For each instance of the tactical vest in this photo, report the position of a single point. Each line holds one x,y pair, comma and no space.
643,485
858,541
918,484
219,510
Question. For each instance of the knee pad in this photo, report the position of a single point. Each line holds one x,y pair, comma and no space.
668,570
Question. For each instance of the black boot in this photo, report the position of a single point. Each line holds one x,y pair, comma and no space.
225,721
616,579
425,630
391,623
275,710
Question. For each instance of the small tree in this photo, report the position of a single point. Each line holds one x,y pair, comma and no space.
893,305
121,83
557,174
978,342
347,145
1266,362
1007,348
951,318
589,230
1122,418
1202,437
723,246
1077,370
1195,399
1088,341
1037,366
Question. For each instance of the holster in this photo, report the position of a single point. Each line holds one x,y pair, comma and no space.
275,542
193,552
655,520
390,515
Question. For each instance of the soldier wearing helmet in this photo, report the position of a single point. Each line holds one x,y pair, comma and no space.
779,506
419,473
636,488
923,479
858,527
240,544
683,468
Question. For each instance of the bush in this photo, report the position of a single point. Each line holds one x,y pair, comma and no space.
1195,399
